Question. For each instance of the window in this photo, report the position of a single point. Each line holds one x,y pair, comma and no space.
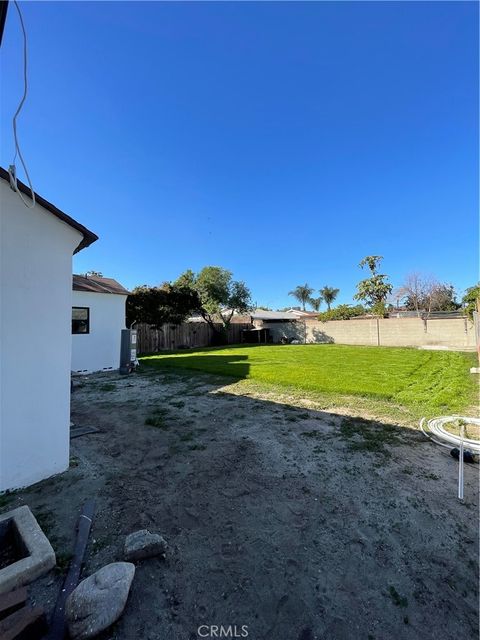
80,320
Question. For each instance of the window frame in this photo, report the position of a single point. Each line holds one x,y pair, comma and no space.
82,333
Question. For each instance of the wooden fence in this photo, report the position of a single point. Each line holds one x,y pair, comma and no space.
189,334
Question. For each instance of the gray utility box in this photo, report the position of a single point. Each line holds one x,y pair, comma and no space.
128,351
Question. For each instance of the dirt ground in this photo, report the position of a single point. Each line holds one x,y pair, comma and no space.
298,523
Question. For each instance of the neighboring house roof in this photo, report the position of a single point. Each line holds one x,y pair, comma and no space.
241,319
300,312
399,313
96,284
236,319
88,236
260,314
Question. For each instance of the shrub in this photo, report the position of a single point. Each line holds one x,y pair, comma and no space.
342,312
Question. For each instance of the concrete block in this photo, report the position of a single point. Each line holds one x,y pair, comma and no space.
36,554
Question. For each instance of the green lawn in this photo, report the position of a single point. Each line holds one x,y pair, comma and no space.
419,382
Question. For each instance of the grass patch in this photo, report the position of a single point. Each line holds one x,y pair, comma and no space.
63,562
178,404
187,437
394,381
472,431
366,435
100,544
311,434
6,498
318,449
46,520
157,419
397,599
107,387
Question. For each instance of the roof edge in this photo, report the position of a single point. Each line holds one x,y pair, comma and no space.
88,236
109,286
3,17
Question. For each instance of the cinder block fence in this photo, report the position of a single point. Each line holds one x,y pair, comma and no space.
455,333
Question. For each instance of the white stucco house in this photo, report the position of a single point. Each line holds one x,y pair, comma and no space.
36,248
98,317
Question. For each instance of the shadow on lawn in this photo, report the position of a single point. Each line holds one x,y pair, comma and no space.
233,365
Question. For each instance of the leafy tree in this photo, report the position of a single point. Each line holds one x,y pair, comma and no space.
302,293
444,298
375,289
328,294
342,312
157,305
316,303
219,296
469,300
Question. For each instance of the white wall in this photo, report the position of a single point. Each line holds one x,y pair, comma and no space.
35,341
99,349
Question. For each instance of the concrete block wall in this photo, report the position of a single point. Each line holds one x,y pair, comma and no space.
455,333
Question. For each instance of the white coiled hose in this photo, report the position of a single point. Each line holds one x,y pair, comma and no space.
435,430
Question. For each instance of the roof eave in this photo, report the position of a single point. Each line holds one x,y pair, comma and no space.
88,236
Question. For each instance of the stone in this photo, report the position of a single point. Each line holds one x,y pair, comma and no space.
99,600
35,555
143,544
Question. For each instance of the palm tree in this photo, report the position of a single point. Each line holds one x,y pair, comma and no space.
329,294
316,302
302,293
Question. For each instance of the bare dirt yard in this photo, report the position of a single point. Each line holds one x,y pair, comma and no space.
299,523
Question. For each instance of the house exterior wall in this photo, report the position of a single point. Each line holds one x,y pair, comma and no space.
35,341
100,349
292,329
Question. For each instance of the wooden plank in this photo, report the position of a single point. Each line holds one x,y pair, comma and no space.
11,601
58,626
25,624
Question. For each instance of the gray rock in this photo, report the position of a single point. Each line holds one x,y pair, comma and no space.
143,544
98,600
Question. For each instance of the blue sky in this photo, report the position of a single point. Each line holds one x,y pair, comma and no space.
284,141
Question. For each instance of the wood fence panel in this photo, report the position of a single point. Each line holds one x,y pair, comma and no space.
169,337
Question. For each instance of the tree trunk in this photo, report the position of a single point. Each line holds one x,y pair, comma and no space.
219,335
